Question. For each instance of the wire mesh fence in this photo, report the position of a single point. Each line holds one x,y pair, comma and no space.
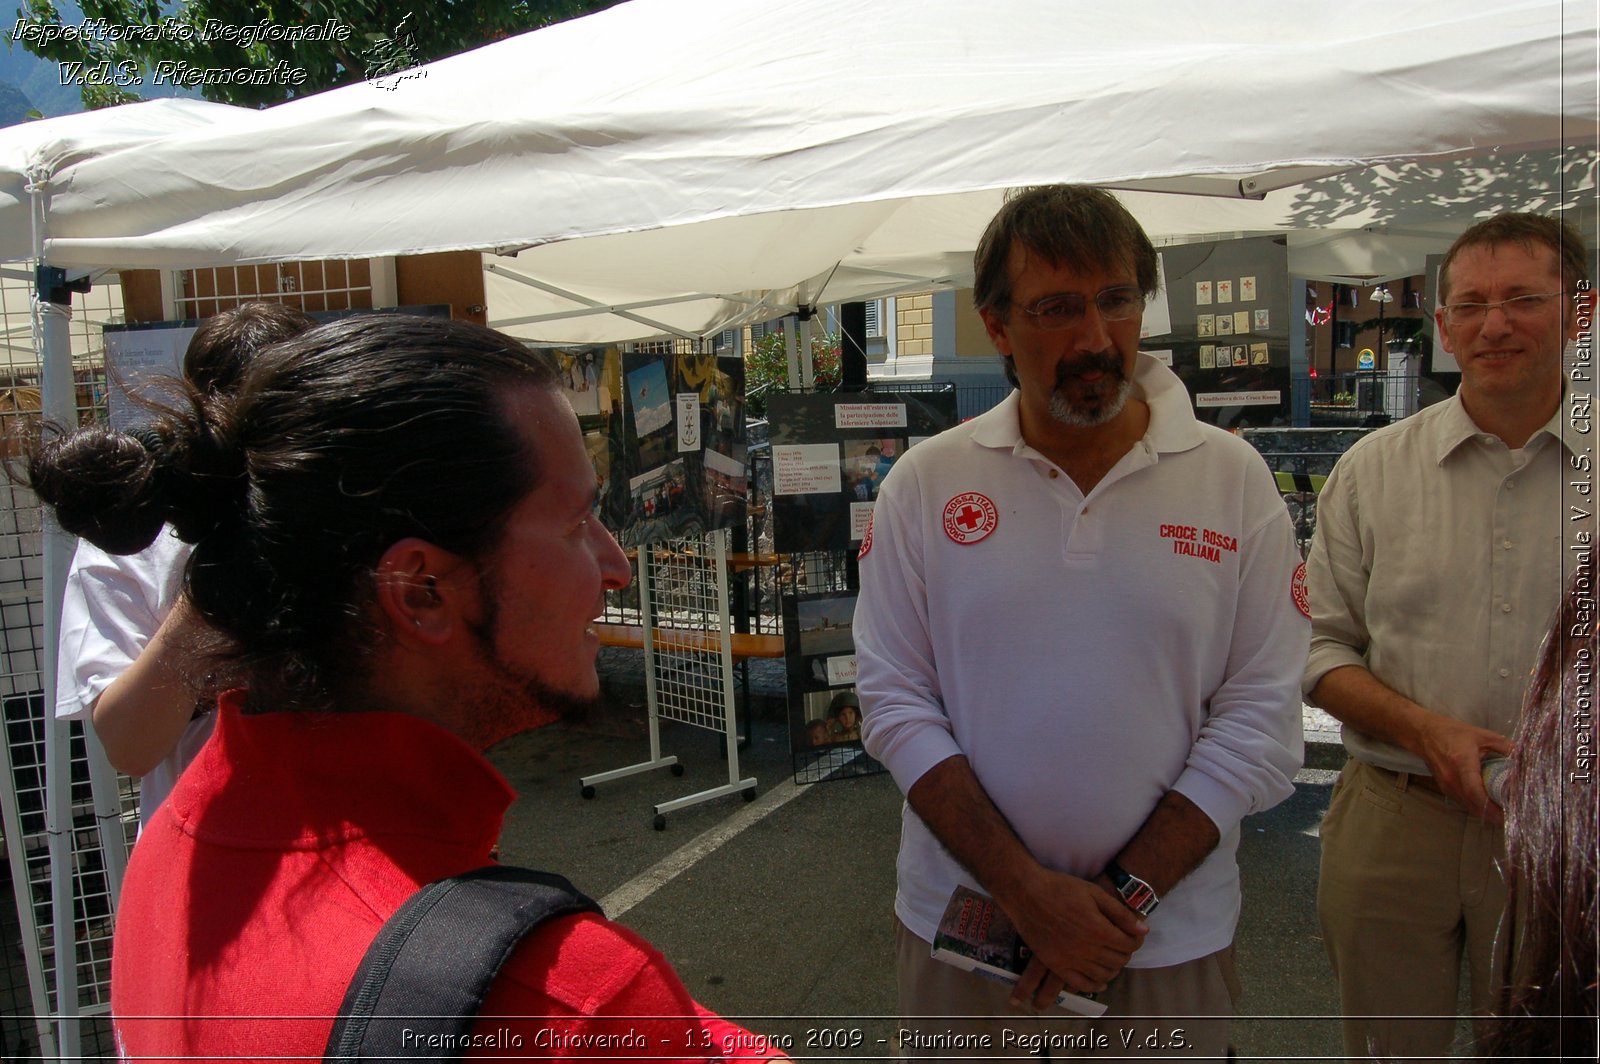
30,974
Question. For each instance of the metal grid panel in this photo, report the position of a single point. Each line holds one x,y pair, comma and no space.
334,284
25,726
688,599
28,976
19,361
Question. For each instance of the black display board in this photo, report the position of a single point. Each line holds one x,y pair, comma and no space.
831,451
1229,306
824,711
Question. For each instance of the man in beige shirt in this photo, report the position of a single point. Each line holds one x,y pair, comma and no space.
1437,563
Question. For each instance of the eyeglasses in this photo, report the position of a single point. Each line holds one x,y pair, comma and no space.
1517,308
1063,311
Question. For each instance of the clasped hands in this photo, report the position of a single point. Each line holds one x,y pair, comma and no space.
1080,932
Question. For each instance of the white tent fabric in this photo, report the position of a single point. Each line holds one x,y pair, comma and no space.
722,158
47,146
1357,227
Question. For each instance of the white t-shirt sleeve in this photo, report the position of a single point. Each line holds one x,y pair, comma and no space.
111,610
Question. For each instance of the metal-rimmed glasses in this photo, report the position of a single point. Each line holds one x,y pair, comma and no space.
1066,310
1517,308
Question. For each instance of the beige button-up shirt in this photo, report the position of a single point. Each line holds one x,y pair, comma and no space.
1438,564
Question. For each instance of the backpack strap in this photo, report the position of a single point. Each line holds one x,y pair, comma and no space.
423,979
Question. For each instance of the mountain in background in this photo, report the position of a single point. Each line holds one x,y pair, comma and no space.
14,104
24,77
38,80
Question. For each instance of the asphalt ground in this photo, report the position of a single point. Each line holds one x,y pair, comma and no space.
777,911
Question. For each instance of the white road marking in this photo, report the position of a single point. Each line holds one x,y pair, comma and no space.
691,853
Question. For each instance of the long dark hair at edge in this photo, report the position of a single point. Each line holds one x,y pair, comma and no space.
1548,1010
338,443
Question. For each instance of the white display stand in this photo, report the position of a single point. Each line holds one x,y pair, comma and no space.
688,659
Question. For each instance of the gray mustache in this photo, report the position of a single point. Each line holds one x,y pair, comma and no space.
1106,362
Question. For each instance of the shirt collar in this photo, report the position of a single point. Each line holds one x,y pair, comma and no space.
1173,426
303,780
1454,426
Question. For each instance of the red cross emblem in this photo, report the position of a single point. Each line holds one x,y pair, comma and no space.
970,517
1297,590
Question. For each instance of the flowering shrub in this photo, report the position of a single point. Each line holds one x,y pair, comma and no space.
766,368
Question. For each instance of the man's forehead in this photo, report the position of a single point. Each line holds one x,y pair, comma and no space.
1532,256
552,442
1027,262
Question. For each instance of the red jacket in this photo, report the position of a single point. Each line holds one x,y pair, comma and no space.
258,885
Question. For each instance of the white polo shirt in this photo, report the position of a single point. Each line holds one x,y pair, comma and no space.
1087,654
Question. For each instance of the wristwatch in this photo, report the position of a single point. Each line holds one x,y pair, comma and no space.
1137,895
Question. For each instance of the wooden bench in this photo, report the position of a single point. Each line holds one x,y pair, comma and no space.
744,644
741,561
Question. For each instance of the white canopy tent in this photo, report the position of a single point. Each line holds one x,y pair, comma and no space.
727,159
1359,227
39,149
31,151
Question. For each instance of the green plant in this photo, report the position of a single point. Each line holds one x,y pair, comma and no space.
1344,399
766,368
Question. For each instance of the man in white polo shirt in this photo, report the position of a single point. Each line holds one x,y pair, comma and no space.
1080,629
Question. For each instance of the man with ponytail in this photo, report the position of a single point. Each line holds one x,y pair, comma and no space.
393,537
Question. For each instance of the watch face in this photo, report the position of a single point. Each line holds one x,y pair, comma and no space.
1138,894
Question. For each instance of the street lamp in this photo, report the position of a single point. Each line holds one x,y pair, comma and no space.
1382,297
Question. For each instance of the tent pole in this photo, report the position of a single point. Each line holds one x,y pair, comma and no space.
808,370
791,351
52,310
57,402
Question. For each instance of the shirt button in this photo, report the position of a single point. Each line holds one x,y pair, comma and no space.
1510,484
1504,673
1505,607
1054,473
1506,543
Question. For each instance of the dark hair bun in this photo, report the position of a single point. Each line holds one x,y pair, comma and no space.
206,479
103,486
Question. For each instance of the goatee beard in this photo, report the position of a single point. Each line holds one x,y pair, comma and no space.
1107,396
510,700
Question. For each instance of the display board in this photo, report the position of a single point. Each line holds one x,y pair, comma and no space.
830,453
143,359
666,435
824,710
1228,304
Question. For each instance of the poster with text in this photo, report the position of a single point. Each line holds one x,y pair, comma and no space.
144,361
831,452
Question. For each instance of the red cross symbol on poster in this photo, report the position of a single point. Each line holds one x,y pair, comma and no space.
970,517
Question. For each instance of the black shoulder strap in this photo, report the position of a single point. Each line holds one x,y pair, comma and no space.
422,982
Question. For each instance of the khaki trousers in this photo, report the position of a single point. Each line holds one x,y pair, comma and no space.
1409,883
1169,1013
